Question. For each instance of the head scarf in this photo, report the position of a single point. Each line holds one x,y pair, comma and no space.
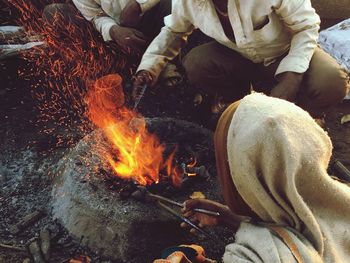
277,164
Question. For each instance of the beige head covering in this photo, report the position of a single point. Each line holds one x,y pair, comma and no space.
278,158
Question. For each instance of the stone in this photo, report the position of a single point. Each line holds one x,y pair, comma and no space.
125,230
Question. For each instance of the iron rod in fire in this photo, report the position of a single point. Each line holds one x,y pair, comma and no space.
140,95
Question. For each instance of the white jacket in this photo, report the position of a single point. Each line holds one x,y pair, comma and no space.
288,25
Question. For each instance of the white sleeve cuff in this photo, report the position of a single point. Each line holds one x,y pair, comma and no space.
293,64
103,25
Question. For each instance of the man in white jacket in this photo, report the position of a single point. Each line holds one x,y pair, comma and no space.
270,44
132,24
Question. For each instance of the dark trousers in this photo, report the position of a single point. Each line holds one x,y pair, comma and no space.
215,69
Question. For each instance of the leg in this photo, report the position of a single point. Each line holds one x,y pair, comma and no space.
325,84
66,12
65,21
153,20
215,69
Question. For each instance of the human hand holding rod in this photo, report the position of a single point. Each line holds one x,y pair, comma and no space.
198,210
143,193
225,217
140,82
184,219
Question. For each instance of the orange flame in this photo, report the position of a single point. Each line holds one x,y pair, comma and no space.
136,154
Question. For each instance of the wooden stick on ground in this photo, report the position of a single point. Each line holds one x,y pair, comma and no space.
27,221
22,249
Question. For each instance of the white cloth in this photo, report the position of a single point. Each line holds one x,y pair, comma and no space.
259,245
278,158
106,13
290,25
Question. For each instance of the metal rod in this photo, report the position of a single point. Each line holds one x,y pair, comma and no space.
198,210
184,219
341,170
140,95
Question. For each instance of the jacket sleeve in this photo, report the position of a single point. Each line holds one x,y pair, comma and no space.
303,22
170,40
94,13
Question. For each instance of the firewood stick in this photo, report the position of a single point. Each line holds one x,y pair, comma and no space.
7,51
27,221
22,249
45,243
34,250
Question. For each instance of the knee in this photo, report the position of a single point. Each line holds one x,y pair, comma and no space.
331,88
336,87
52,10
194,63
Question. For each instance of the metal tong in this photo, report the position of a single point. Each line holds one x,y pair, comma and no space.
167,200
184,219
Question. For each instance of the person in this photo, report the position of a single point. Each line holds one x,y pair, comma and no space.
270,44
132,24
272,161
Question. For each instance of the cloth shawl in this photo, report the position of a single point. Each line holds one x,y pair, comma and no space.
276,166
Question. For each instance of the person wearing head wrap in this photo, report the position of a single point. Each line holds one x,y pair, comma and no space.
272,161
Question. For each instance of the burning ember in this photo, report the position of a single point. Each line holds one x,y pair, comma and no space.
136,154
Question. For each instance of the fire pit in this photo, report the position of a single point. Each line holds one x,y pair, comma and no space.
99,213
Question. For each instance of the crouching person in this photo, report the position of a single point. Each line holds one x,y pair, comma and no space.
132,24
270,44
272,161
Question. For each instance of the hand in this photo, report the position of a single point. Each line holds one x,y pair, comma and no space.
288,86
199,218
141,78
128,38
226,217
131,14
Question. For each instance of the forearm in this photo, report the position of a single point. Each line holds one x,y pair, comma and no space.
229,219
104,25
94,13
292,78
300,18
165,47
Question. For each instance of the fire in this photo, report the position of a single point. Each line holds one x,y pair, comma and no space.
136,154
71,60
